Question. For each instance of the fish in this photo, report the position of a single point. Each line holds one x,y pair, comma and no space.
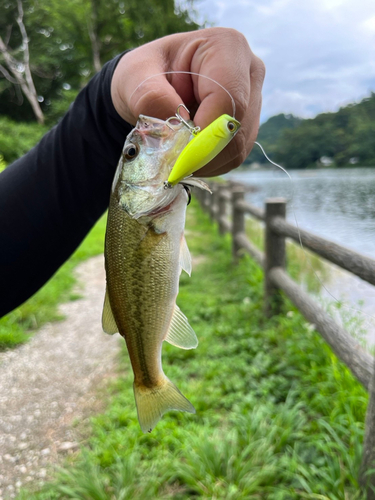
205,145
145,250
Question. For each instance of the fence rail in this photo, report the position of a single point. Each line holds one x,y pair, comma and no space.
273,260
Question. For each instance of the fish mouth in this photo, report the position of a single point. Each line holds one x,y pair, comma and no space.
151,133
147,125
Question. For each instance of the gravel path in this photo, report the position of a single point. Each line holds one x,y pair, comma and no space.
52,382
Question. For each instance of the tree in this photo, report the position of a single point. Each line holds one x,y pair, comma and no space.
342,136
269,136
17,70
70,40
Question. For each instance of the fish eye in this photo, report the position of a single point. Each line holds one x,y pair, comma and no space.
231,126
131,151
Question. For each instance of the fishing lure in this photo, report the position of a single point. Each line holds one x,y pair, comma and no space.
204,146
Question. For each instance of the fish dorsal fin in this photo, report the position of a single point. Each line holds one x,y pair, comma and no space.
108,321
185,257
180,333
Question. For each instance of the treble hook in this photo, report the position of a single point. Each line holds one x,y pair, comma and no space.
193,130
188,192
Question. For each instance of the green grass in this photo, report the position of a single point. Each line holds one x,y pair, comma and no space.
278,416
17,326
2,163
303,266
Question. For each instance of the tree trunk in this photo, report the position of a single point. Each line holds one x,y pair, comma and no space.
92,25
25,79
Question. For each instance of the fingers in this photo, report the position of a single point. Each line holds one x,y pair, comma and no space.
140,87
239,148
224,56
226,60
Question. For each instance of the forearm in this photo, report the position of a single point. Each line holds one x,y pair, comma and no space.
51,197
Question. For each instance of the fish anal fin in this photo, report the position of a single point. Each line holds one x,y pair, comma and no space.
153,402
108,321
185,257
180,333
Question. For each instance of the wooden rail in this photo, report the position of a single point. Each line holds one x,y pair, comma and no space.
277,283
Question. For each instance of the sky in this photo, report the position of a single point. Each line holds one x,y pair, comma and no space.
319,54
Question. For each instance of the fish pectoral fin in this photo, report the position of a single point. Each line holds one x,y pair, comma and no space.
153,402
108,321
194,182
185,257
180,333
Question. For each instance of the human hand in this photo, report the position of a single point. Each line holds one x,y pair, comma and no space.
219,53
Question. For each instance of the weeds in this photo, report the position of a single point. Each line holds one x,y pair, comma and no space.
278,416
17,326
305,267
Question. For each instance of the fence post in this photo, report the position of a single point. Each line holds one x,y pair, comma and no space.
238,219
206,200
221,209
199,195
274,255
367,481
214,199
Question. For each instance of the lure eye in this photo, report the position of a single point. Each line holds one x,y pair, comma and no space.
131,151
231,126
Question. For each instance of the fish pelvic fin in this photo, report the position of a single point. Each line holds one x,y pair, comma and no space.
180,333
153,402
108,321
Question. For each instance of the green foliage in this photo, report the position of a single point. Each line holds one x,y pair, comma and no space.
16,139
2,163
63,37
60,106
302,265
278,416
269,135
17,326
344,137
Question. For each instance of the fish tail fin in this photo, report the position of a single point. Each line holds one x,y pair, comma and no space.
153,402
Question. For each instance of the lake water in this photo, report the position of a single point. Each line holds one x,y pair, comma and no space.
338,204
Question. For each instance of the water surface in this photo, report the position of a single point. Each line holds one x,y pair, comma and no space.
338,204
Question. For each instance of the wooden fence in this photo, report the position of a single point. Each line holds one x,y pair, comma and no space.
273,261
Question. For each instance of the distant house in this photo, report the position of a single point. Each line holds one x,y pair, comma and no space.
325,161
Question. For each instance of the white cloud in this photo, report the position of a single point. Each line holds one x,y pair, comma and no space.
319,54
369,24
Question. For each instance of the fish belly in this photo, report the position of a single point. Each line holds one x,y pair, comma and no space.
142,268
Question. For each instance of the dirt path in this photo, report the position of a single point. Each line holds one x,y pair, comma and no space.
50,383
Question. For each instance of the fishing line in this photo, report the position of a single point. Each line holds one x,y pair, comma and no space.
307,257
296,221
188,73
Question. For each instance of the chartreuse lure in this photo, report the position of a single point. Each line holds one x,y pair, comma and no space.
205,145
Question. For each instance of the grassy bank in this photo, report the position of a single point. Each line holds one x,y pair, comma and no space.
278,416
303,266
16,327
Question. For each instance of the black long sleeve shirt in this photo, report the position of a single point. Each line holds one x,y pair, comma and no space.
51,197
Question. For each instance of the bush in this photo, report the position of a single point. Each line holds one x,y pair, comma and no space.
60,106
16,139
2,163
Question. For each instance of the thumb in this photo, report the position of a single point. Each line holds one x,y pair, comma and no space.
141,86
154,96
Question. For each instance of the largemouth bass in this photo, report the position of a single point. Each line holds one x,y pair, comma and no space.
145,250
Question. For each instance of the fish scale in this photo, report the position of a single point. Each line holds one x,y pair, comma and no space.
143,250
